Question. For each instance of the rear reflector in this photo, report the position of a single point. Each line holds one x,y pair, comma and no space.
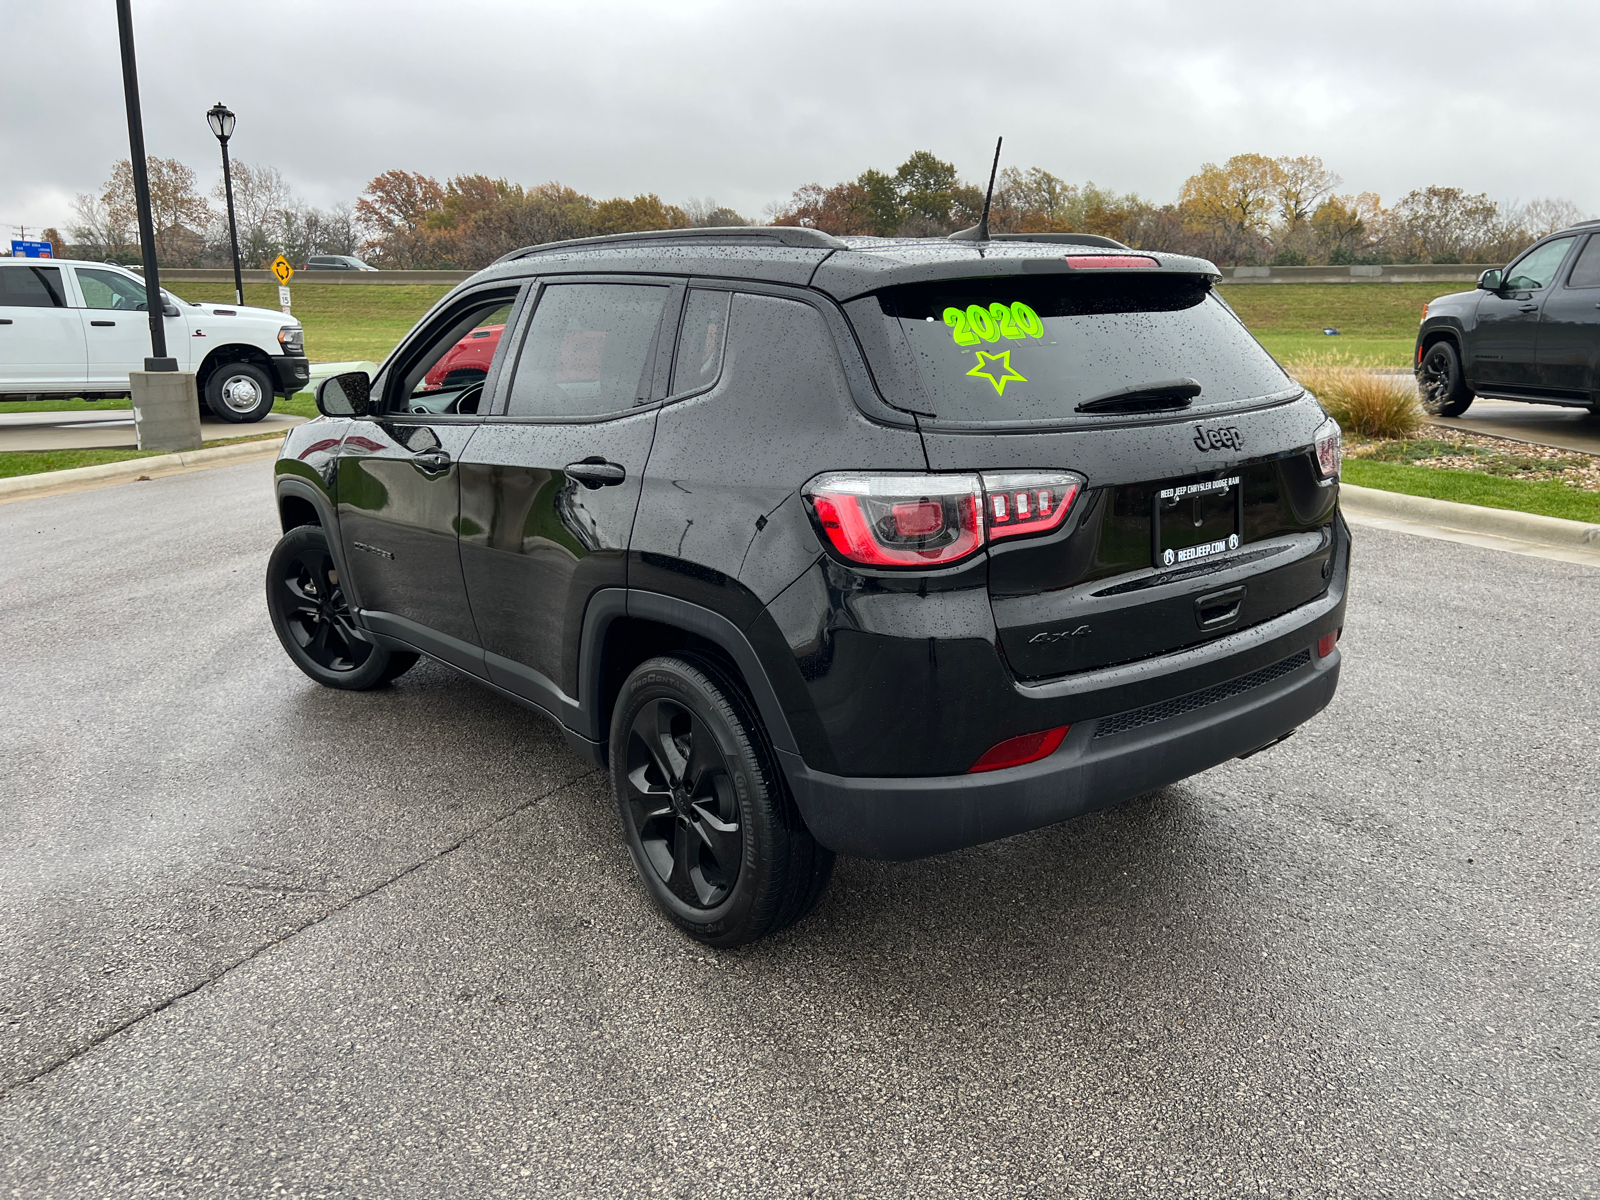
1327,642
1088,262
1013,752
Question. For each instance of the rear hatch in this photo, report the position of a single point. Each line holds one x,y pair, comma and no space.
1204,511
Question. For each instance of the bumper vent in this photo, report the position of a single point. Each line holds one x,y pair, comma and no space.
1179,705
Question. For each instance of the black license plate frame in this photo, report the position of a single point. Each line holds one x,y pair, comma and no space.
1196,520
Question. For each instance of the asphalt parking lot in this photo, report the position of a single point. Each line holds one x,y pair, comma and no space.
266,939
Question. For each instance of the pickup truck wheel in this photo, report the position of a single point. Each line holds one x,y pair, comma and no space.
1440,386
239,392
312,617
705,813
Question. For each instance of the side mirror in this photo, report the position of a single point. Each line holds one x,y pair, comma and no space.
346,395
169,309
1489,281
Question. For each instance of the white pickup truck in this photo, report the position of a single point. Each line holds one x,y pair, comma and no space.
71,328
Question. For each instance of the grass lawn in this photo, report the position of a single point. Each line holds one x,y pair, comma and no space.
1544,497
32,462
1377,322
342,323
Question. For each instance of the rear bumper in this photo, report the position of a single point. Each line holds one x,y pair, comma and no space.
1133,753
292,374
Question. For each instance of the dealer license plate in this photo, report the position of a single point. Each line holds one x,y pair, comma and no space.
1191,521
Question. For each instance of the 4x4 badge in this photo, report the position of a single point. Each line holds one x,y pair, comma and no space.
1226,437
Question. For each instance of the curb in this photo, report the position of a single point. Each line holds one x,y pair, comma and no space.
1471,518
20,487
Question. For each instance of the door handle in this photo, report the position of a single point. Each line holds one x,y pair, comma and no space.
7,320
432,460
102,322
595,473
1527,308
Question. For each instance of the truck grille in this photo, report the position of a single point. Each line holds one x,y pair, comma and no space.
1179,705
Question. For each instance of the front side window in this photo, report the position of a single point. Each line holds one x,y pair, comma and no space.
448,374
1539,268
700,341
587,352
107,289
1586,271
31,287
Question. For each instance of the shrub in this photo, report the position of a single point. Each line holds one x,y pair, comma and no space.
1365,403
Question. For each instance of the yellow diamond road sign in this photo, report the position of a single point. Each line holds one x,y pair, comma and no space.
282,269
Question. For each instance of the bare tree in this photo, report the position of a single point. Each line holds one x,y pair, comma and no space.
704,212
97,231
1547,215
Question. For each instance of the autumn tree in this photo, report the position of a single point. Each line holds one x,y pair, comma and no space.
1232,205
638,215
178,213
395,208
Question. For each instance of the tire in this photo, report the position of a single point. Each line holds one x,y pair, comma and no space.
312,617
705,812
1440,385
239,392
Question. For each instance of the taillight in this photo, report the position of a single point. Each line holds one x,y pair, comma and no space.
1014,752
1329,445
1020,502
1088,262
906,520
899,520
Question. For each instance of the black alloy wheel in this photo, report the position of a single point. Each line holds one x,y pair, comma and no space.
312,617
705,811
1440,387
682,801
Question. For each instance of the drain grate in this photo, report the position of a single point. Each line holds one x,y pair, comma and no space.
1151,713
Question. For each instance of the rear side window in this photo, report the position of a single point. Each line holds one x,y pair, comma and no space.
588,350
1586,271
31,287
1032,349
700,341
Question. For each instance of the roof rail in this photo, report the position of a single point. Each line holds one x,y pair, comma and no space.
1061,239
783,235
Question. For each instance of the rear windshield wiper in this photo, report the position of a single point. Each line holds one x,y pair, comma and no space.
1168,396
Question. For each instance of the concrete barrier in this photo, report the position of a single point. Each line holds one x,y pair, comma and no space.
1391,273
179,275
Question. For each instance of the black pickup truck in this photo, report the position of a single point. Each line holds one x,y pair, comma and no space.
1530,332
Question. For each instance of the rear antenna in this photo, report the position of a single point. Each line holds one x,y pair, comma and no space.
980,231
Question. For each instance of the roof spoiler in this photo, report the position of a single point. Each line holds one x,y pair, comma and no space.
1062,239
797,236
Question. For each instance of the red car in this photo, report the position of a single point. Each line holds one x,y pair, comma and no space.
467,361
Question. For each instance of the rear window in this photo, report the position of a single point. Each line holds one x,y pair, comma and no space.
1032,349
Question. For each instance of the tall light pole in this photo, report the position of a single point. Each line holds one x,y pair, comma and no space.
158,360
221,121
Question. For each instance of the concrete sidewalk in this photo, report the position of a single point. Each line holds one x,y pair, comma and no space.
1545,424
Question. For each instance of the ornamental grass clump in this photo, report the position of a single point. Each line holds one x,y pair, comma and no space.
1365,403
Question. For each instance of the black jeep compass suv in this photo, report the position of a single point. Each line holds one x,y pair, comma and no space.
877,547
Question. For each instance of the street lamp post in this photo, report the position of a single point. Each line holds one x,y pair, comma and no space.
221,121
158,360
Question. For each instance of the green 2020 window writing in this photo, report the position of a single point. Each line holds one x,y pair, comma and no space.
979,324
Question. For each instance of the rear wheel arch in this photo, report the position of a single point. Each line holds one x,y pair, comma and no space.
623,629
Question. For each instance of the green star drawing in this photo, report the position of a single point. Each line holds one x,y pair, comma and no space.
1008,373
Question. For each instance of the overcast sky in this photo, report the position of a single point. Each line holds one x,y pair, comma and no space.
745,102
